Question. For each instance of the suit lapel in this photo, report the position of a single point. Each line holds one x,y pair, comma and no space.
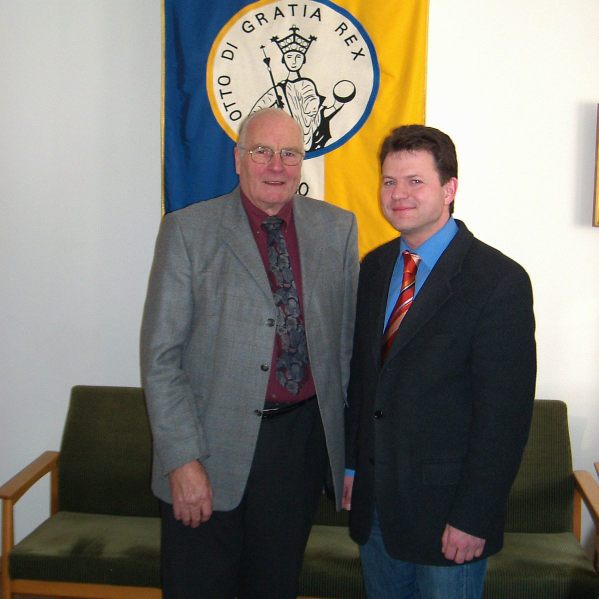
311,237
437,290
378,285
237,234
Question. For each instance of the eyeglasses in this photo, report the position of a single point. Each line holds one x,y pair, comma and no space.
264,154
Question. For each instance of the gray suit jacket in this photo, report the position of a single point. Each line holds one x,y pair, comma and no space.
207,332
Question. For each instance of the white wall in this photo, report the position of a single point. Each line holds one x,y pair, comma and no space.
80,207
515,83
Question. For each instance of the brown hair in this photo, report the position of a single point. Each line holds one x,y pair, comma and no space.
410,138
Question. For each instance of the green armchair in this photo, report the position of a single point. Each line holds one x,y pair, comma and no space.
542,557
102,538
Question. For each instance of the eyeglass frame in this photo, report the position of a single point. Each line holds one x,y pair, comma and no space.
272,154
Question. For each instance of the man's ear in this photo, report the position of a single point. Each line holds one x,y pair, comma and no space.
237,157
451,188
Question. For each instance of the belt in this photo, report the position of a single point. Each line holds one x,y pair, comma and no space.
282,408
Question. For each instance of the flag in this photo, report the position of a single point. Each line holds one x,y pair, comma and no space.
348,71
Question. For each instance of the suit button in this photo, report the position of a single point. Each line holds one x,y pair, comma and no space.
378,414
258,412
270,322
371,461
265,367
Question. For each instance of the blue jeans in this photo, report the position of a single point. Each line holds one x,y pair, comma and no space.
389,578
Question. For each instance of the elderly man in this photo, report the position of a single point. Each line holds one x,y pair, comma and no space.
442,385
245,349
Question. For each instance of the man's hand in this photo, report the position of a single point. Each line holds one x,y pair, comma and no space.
348,485
459,546
192,494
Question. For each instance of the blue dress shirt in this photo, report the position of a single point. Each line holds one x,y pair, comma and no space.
430,251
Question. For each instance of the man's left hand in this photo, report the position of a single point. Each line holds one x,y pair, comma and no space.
459,546
348,485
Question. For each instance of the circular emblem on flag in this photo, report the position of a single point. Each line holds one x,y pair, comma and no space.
313,59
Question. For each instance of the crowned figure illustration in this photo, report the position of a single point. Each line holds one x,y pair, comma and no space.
299,95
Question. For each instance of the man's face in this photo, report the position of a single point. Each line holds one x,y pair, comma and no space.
412,197
269,186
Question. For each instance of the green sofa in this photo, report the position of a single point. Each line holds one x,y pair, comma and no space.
102,537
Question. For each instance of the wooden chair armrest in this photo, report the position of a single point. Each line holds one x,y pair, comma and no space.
14,488
587,490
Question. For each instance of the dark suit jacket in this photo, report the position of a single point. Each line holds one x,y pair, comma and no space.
436,433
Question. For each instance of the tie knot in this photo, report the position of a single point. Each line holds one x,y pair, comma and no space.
272,223
410,261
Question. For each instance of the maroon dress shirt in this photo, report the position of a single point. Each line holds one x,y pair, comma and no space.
275,392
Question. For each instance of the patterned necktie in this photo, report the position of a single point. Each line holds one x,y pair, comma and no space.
292,358
404,301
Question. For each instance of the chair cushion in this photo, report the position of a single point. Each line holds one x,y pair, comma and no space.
551,566
91,548
531,565
331,565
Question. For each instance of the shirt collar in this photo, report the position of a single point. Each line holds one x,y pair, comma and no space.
257,216
434,246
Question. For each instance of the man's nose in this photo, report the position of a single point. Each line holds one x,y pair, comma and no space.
400,190
276,162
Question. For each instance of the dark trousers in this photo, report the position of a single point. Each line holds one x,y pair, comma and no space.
254,551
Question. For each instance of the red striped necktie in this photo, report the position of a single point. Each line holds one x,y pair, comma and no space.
404,301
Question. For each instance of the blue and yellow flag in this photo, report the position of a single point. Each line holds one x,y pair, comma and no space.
348,71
